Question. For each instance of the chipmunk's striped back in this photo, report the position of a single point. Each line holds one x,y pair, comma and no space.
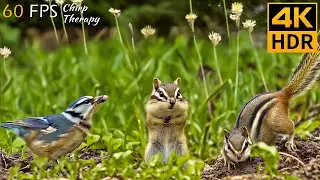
254,112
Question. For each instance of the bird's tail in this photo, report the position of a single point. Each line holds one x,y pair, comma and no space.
307,72
16,127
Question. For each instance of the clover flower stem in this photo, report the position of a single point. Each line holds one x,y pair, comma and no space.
5,69
63,25
227,21
119,32
123,45
199,56
217,65
9,79
52,21
237,66
198,53
84,35
190,4
258,62
206,127
201,65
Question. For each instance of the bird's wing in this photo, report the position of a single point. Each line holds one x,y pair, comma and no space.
59,121
61,126
36,122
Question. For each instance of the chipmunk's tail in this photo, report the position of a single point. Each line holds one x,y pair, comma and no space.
306,74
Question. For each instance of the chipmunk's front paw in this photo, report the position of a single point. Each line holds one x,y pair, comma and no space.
227,161
229,164
234,165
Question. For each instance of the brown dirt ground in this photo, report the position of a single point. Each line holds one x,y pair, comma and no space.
8,161
308,151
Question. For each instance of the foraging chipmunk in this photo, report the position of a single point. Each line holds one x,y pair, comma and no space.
167,113
266,115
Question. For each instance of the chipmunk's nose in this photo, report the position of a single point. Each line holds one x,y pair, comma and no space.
239,156
172,101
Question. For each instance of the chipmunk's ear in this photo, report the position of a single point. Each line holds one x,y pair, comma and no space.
226,134
156,83
245,132
177,81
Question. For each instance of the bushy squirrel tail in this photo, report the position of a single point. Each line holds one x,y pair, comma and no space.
306,74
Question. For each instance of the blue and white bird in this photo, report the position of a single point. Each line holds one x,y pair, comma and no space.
56,135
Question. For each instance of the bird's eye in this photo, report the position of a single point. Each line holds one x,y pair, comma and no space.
86,101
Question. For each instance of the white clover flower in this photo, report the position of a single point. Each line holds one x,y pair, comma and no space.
5,52
249,24
77,2
236,8
215,38
115,12
147,31
60,2
191,17
234,17
236,11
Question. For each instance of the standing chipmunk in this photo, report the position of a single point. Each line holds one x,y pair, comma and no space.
167,113
266,115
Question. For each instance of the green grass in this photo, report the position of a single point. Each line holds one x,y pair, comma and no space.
47,82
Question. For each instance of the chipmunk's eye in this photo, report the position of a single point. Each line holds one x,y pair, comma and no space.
246,145
178,94
161,94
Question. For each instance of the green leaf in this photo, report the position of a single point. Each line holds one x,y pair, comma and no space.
107,137
92,138
131,145
122,154
117,143
270,156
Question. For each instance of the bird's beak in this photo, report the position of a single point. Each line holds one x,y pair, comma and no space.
100,99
